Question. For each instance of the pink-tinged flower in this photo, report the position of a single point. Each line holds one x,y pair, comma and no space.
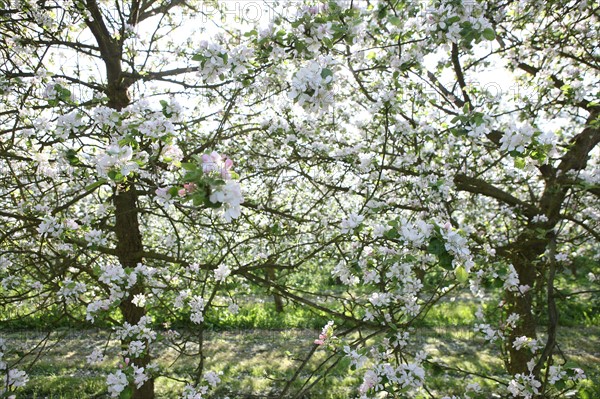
190,187
162,191
225,169
217,164
125,363
326,334
182,192
211,163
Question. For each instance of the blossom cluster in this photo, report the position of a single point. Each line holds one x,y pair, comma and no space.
312,85
12,378
385,376
517,138
119,281
218,63
118,381
326,334
458,22
216,176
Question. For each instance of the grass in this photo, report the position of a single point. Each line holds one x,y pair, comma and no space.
258,362
259,349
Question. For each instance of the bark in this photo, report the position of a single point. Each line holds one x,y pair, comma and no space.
129,249
523,258
277,299
129,245
525,252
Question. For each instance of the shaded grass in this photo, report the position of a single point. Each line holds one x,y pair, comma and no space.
258,362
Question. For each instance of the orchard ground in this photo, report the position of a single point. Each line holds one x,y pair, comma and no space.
259,350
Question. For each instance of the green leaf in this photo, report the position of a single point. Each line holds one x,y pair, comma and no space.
209,204
127,393
92,186
174,191
193,176
189,166
394,20
64,94
519,163
71,156
198,198
326,72
452,20
436,247
583,394
461,274
391,234
560,385
275,229
488,34
128,140
445,260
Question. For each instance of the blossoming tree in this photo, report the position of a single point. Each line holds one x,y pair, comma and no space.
370,138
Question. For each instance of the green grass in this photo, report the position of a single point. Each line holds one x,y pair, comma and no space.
451,313
258,362
264,316
259,349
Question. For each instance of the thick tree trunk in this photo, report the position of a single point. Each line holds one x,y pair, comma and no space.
129,248
127,229
521,304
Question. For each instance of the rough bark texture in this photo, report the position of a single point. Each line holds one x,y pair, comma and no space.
129,249
526,250
524,257
129,239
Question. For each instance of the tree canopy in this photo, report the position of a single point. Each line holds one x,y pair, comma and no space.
159,156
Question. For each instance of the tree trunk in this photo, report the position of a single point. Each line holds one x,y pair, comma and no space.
127,229
276,297
521,304
129,248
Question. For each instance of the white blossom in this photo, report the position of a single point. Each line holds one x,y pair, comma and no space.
222,272
117,382
351,223
95,357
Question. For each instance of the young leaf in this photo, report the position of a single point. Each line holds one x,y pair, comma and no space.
488,34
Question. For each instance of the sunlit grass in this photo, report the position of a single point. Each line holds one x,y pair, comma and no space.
260,362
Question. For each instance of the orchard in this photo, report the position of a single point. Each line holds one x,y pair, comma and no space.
370,165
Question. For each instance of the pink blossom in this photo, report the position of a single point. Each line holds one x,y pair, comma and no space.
218,164
190,187
125,363
225,170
